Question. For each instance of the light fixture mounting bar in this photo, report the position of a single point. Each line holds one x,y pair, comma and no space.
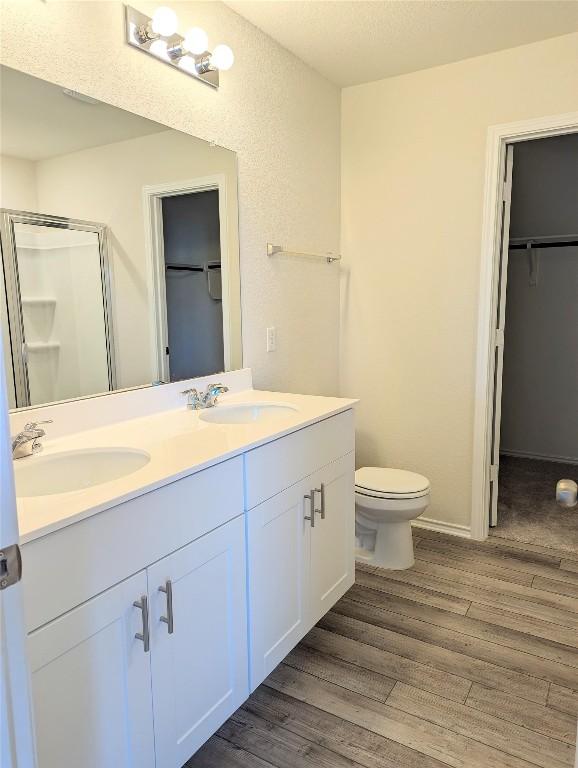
138,28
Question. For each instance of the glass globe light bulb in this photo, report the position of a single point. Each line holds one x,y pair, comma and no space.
159,48
196,40
222,57
188,64
164,21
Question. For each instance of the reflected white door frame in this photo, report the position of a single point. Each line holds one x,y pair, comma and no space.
152,206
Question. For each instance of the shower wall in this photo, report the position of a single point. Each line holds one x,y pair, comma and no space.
62,312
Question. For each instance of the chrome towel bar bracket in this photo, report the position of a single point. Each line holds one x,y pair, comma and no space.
274,250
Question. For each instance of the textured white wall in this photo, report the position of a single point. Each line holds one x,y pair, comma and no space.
17,183
281,118
413,163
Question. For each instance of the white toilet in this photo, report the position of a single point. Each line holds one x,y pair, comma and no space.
386,501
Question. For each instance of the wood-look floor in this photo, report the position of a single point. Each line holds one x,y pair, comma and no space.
468,659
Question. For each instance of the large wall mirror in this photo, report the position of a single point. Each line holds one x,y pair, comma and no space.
120,254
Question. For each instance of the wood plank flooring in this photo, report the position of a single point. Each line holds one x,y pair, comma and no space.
469,659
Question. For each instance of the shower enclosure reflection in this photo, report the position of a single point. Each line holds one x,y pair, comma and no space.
58,306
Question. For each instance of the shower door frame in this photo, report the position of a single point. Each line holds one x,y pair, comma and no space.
8,218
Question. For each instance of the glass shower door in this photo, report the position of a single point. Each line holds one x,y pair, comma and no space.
58,313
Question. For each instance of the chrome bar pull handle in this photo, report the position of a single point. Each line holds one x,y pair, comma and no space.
321,492
311,515
143,605
168,619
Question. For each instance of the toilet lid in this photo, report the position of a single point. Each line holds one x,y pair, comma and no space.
390,483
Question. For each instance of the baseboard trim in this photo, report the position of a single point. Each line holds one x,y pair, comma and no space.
538,456
442,527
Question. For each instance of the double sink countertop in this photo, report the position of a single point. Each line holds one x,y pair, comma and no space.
179,442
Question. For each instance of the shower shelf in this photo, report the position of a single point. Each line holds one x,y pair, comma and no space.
41,300
41,346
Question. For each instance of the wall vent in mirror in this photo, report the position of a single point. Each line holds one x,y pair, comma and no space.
158,36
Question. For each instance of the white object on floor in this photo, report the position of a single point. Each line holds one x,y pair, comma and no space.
567,493
386,501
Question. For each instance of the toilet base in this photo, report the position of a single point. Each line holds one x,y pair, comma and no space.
393,547
383,528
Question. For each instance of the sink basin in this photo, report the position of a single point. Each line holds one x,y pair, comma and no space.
246,413
75,470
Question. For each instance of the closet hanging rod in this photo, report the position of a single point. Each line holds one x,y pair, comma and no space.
520,243
274,250
522,246
185,267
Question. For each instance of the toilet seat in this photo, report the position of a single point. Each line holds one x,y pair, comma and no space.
388,483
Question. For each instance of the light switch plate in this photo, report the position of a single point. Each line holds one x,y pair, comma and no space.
271,339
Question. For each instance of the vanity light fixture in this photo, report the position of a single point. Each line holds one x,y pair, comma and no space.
190,53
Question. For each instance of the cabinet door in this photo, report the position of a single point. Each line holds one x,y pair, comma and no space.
333,537
200,673
278,546
91,684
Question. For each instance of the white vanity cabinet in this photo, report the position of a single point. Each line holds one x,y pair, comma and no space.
298,567
103,673
112,686
279,544
198,641
150,621
91,684
332,553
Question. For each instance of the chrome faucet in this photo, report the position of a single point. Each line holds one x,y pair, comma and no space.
26,443
208,399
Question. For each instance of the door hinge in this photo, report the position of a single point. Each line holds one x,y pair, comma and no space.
10,566
506,191
499,338
494,472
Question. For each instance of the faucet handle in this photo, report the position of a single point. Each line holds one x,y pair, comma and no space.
216,389
192,398
212,393
34,424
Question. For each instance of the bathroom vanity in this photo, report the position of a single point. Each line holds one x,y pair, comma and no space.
157,601
171,557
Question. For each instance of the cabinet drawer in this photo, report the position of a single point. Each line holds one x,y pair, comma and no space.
68,567
278,465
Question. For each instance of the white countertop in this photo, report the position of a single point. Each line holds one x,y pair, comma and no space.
179,444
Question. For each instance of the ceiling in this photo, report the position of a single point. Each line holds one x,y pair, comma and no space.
39,121
351,42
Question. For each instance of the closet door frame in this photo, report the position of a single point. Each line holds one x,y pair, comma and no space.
499,137
152,206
